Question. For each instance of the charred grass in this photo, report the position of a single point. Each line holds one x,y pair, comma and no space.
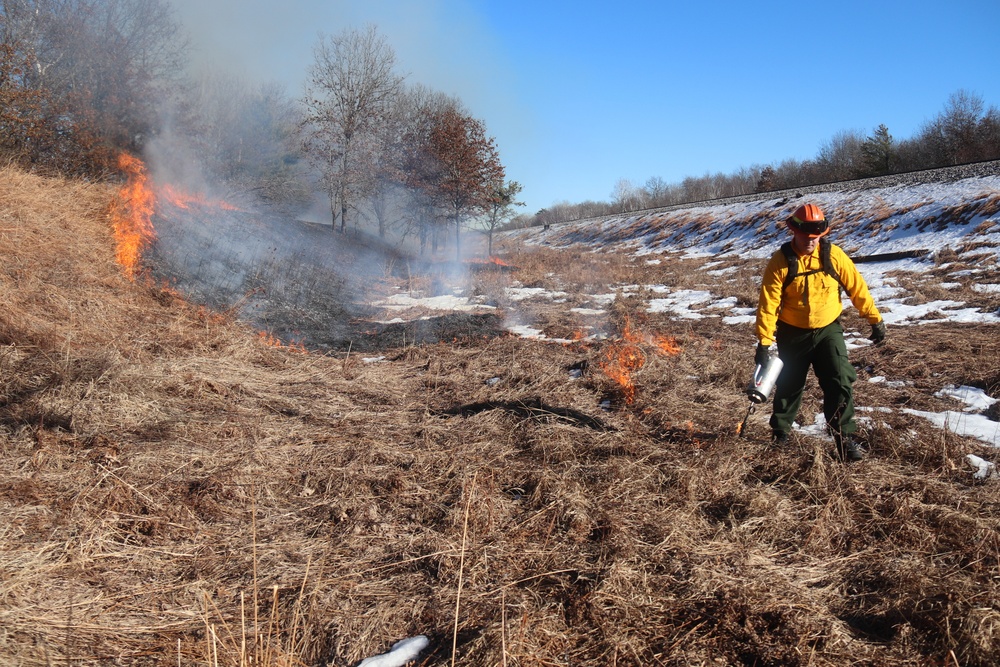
175,491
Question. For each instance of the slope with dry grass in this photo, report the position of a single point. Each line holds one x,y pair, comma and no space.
175,491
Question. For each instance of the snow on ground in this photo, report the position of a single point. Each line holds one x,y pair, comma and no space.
866,222
450,302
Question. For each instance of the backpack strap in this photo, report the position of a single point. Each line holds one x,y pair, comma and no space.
824,255
793,264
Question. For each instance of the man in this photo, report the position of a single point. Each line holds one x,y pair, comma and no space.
800,309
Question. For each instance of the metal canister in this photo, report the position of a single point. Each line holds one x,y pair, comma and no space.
763,380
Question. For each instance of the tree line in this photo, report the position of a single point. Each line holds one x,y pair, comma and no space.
965,131
79,79
82,81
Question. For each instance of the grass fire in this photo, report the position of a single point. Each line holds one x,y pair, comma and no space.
623,358
131,214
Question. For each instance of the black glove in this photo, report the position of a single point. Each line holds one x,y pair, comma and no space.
878,332
760,357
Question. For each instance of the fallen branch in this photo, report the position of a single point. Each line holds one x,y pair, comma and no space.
532,408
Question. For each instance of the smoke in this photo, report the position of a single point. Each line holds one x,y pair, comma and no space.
222,242
240,222
300,282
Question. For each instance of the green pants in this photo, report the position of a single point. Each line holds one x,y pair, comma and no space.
823,349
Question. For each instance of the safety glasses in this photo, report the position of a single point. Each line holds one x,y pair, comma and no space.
811,228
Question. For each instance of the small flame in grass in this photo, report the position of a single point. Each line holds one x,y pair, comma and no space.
622,359
479,263
667,345
577,340
131,215
492,259
184,200
273,341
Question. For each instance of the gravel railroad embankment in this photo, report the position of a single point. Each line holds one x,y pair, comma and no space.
942,175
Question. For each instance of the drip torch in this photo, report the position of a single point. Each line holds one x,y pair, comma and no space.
761,385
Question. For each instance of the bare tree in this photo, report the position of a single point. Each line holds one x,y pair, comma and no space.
656,190
840,159
696,189
989,134
501,200
351,89
625,197
384,191
746,179
964,132
406,125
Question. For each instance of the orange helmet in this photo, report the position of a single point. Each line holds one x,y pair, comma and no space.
809,220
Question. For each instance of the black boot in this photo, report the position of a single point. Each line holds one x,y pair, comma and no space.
847,449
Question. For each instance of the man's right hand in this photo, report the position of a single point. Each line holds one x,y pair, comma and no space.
878,333
761,356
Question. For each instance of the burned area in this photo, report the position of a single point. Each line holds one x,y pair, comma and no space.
301,283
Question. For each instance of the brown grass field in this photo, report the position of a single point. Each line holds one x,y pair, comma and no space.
175,491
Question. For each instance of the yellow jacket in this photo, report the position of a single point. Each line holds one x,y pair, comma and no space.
813,301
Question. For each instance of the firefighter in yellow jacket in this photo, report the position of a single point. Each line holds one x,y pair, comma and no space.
799,308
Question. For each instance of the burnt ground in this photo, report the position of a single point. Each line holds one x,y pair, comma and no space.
306,284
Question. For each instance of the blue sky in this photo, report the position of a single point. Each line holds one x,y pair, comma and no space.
581,94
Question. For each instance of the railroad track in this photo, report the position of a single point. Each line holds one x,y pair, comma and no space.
939,175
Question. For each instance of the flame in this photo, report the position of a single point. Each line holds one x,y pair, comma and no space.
622,359
667,345
487,262
273,341
132,211
131,219
185,200
131,215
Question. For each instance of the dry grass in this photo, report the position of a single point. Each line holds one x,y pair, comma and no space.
174,491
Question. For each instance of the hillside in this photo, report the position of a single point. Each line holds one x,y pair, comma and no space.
176,490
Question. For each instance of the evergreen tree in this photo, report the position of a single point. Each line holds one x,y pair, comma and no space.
766,181
878,153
